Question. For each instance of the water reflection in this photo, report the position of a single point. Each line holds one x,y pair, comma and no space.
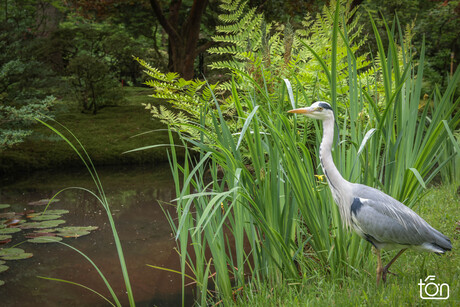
143,229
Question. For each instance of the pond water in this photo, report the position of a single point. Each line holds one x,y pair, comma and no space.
134,194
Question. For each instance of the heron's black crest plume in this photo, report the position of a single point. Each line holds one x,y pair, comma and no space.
325,106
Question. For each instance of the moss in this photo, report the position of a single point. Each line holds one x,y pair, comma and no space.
105,136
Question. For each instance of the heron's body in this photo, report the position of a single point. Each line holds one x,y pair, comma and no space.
388,224
375,216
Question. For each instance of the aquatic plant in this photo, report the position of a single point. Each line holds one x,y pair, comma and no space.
46,230
99,194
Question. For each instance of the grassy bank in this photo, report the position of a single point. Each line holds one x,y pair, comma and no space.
105,136
440,207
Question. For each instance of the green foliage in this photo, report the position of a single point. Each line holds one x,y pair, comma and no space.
109,43
27,85
268,53
258,185
186,96
92,83
358,289
99,194
16,122
439,27
435,25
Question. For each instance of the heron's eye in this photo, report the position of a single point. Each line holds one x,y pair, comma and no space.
319,109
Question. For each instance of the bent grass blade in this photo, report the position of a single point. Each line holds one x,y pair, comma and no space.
103,200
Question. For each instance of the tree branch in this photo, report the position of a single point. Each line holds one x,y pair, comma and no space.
156,7
203,47
194,17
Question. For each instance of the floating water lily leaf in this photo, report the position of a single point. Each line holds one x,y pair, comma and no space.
43,224
31,215
77,228
46,217
4,237
6,241
13,221
30,225
14,253
18,256
2,282
7,215
3,268
36,234
5,231
46,230
45,239
51,224
43,202
3,206
10,251
75,231
73,234
56,211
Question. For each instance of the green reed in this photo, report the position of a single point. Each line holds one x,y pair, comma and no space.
251,198
99,194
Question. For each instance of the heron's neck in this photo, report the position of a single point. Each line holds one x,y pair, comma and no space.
333,176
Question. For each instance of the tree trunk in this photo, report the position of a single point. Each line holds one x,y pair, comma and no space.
183,36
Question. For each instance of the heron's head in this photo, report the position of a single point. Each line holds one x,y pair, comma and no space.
318,110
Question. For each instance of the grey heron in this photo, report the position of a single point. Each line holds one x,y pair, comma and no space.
375,216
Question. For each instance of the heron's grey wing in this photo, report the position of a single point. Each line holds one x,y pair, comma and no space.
383,220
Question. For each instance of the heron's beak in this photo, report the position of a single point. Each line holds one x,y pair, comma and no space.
301,111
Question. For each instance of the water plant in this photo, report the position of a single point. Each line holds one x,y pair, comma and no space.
99,194
47,230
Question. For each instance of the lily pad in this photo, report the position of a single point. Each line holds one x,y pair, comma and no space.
5,231
76,228
35,234
75,231
73,234
30,225
43,224
7,215
14,253
6,241
10,250
56,211
46,217
4,237
46,230
43,202
45,239
13,221
3,268
18,256
3,206
2,282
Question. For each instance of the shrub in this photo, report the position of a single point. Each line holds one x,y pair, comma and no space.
93,85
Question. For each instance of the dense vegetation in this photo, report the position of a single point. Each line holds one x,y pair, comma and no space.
261,191
249,190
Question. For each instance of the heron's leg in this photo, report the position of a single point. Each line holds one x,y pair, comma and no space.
379,264
385,269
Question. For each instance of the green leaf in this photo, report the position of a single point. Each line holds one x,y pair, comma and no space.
419,177
45,239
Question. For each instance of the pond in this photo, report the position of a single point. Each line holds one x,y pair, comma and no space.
134,194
